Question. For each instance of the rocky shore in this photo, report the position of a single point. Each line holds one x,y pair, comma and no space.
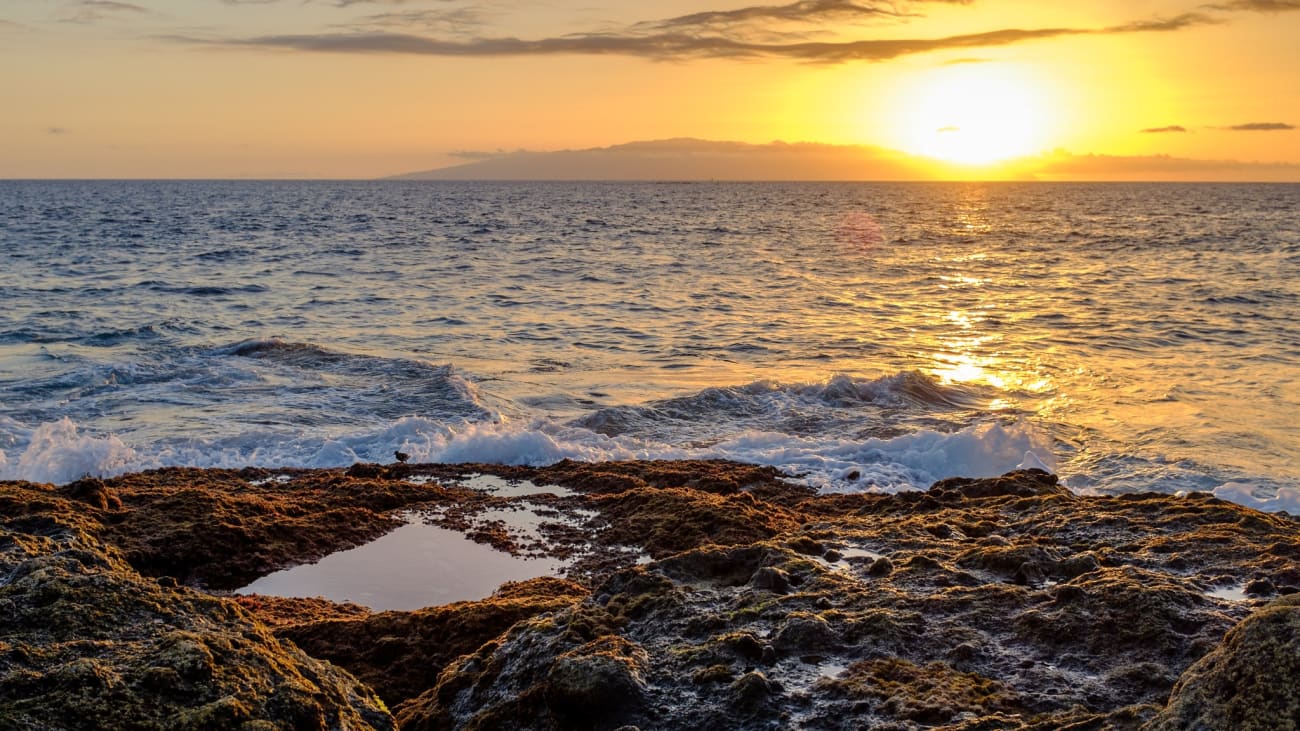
696,595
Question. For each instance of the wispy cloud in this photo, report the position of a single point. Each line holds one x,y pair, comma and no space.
1161,130
57,131
1256,6
452,21
94,11
1261,127
766,18
683,45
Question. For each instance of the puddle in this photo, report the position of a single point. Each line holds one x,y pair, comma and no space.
496,486
278,479
1231,592
831,670
848,557
501,487
414,566
849,553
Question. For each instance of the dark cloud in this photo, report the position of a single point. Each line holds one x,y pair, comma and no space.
455,21
1160,130
805,11
56,131
1261,127
94,11
1256,6
667,46
1164,25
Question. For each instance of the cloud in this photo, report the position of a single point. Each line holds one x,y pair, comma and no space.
456,21
949,128
1159,130
680,45
805,11
94,11
1261,127
1161,167
1256,6
57,131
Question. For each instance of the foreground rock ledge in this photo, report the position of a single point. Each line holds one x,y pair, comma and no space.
1005,603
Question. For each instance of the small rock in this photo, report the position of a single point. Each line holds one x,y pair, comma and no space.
365,470
1029,574
942,530
771,579
1261,587
803,632
1078,565
881,567
595,685
750,689
833,555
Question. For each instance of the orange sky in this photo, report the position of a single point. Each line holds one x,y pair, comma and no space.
364,88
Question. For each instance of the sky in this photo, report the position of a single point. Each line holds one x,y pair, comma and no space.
368,88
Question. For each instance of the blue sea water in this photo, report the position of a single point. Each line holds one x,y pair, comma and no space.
864,337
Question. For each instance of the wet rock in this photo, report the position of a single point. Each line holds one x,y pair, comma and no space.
1260,587
602,679
881,567
1249,682
1029,573
401,654
771,579
366,470
750,690
805,633
93,492
937,635
86,642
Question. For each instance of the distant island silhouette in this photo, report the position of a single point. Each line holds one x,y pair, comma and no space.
689,159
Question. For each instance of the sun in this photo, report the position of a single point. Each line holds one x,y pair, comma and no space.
974,114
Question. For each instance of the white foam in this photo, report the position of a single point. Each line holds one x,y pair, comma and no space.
57,452
61,452
1285,498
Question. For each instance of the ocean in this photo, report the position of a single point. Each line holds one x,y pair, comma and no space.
862,337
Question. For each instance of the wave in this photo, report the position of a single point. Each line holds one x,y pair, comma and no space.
841,404
60,452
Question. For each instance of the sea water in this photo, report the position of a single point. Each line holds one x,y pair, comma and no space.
862,337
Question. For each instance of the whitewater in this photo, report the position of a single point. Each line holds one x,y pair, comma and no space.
861,337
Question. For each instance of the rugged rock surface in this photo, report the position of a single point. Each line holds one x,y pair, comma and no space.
400,654
1006,603
86,642
1249,682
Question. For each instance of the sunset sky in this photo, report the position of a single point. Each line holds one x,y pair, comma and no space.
365,88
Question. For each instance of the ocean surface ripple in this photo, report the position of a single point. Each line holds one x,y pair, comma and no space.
866,337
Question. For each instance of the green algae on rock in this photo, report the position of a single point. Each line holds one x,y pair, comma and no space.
1004,603
1248,683
86,642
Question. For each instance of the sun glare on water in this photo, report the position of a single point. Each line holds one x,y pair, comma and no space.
974,115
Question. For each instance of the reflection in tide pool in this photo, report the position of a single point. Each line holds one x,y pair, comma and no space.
415,566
